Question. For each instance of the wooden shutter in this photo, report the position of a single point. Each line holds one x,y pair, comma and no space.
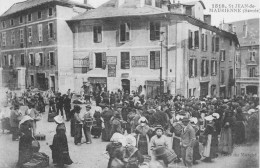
202,42
212,66
196,67
122,32
190,39
202,67
213,44
48,59
196,39
152,31
152,60
206,42
190,67
217,44
104,60
91,63
95,34
216,68
207,67
224,55
127,31
157,60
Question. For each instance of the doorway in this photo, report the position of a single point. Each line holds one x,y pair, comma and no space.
126,85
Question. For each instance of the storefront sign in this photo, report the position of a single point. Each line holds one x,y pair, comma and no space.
139,61
153,83
125,75
111,70
81,62
111,60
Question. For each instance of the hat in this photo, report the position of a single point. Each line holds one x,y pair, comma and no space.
88,106
179,117
58,119
24,119
130,140
142,120
194,120
209,118
216,115
117,137
98,109
185,119
158,127
151,111
251,111
225,100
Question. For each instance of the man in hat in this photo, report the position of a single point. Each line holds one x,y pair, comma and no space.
59,104
187,142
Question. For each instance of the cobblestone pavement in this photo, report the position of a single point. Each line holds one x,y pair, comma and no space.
91,155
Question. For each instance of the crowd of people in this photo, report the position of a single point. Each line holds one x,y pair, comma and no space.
139,129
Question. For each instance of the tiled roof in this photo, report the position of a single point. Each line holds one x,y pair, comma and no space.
252,37
110,9
20,6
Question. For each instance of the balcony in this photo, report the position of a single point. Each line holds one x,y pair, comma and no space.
254,80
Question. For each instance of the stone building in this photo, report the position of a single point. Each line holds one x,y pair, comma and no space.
36,44
123,43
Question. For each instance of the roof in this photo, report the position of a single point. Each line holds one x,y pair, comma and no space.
252,37
21,6
110,10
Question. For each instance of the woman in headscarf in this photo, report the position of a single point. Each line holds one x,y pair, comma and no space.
239,127
107,114
59,147
143,131
25,143
226,138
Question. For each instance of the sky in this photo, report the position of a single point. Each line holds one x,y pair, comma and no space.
216,16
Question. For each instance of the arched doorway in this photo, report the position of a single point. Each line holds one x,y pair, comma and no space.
126,85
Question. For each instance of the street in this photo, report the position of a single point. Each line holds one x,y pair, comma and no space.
91,155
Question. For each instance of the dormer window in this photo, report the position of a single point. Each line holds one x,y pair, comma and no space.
12,22
39,14
3,24
50,12
29,17
158,4
124,32
21,19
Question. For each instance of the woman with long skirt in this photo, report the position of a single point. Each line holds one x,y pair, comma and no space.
59,147
97,127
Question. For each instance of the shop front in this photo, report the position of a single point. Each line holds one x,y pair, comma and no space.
97,84
153,88
204,89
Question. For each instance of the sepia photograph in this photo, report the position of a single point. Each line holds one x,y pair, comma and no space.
129,83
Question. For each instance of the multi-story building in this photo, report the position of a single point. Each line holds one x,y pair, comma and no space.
122,45
36,44
247,56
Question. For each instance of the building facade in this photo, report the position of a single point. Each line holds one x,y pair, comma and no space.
36,44
122,45
247,56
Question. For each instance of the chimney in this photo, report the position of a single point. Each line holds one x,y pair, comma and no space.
86,2
245,29
230,28
207,19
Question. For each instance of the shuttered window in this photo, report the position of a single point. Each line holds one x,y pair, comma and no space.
125,60
155,60
190,39
193,66
155,31
222,55
202,42
100,60
97,34
213,44
217,44
196,39
124,32
22,59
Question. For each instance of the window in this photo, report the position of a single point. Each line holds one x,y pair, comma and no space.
252,56
158,3
4,39
125,32
213,67
148,2
98,60
213,44
203,68
196,39
202,42
155,30
222,55
50,11
50,30
217,44
252,72
10,60
40,32
51,58
193,63
21,37
21,19
31,59
5,60
22,59
12,22
190,39
3,24
29,34
41,59
12,38
155,60
32,80
206,42
97,34
39,14
125,60
222,79
38,59
29,17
